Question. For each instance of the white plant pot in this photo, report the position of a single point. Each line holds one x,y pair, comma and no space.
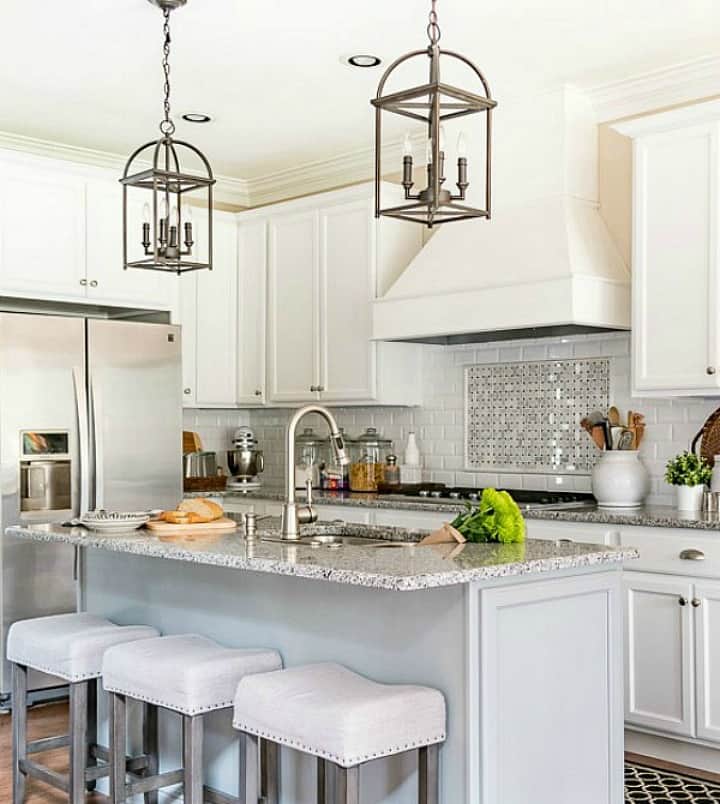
690,498
620,480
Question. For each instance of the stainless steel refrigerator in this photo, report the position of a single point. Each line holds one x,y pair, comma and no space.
90,417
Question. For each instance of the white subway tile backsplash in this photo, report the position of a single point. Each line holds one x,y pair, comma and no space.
439,423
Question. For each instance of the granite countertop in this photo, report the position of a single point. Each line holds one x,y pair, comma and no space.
652,516
398,564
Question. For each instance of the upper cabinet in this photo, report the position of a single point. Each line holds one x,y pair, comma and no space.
252,305
676,273
327,259
61,238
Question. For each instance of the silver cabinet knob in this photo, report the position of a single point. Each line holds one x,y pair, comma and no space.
710,369
682,601
695,602
313,388
93,283
83,282
187,391
692,555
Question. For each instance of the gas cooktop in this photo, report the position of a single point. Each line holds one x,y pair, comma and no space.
526,499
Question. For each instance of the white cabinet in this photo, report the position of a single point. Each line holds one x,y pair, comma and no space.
676,287
251,304
293,314
106,281
659,663
42,233
208,316
706,603
327,260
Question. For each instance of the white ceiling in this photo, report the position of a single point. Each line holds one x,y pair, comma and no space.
87,72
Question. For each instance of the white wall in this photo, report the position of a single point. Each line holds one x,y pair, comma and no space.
672,423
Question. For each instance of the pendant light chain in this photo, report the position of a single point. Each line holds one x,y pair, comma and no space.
433,29
167,127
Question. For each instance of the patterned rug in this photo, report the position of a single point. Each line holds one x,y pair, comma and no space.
662,787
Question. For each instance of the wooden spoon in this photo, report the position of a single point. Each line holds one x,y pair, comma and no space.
614,416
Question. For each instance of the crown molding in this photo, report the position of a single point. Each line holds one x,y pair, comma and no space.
655,90
352,167
227,189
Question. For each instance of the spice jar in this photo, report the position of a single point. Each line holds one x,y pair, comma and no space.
367,469
392,471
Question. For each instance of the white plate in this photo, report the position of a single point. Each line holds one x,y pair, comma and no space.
114,525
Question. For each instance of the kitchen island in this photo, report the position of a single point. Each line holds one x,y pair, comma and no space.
524,641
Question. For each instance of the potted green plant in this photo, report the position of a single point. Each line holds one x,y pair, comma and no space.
690,474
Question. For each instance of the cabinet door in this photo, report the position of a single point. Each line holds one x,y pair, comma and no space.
187,318
216,327
347,288
252,303
108,283
42,233
707,658
675,282
292,307
659,671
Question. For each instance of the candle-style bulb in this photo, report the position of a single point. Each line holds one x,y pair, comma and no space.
163,208
407,145
442,138
146,213
429,151
462,145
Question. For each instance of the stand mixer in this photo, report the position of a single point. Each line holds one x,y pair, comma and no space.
245,461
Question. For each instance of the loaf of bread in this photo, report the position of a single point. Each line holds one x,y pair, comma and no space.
201,509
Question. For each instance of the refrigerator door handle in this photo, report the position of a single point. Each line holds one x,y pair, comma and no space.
96,401
83,437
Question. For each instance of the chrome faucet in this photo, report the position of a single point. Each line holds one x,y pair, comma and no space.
292,514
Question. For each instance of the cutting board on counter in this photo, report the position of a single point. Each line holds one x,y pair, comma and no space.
164,528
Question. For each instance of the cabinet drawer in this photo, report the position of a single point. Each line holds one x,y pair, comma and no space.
590,534
661,548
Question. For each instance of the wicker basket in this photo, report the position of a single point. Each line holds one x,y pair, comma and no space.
707,442
216,483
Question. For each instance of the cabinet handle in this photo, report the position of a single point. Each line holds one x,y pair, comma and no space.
83,282
313,388
93,283
710,369
692,555
321,388
682,601
258,392
695,602
187,391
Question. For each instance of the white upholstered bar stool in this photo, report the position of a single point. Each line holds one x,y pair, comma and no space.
71,647
190,675
342,718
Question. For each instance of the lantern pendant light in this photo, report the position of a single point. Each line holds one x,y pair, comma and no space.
433,103
158,167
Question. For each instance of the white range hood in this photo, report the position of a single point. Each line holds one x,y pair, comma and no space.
544,266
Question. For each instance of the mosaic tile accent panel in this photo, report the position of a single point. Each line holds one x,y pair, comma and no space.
525,417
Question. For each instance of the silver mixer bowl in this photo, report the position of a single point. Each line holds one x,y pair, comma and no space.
245,462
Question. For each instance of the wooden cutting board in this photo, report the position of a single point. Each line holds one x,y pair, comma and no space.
162,528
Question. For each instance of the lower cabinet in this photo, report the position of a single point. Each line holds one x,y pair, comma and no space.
672,679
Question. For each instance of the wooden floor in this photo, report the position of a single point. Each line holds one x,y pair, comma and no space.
44,721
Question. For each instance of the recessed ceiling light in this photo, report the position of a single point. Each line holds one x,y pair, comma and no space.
196,117
363,60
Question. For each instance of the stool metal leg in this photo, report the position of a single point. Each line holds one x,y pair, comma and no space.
192,759
269,771
348,785
78,740
429,775
117,748
321,781
249,788
150,746
19,730
92,737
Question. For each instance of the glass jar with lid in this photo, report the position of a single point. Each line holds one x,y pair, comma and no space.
310,457
335,476
369,453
